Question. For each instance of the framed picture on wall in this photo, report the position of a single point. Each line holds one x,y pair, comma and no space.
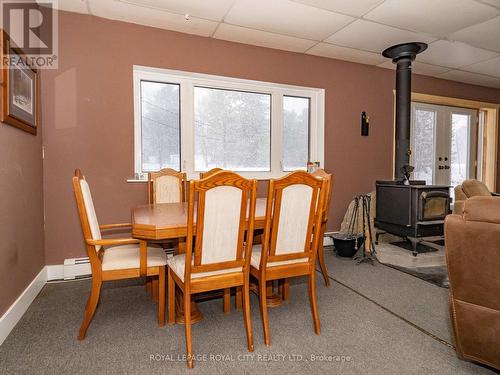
20,89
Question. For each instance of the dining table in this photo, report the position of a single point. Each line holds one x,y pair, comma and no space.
165,221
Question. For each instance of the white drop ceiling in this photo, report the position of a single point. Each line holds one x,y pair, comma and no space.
463,35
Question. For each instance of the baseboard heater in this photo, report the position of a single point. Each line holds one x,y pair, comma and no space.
76,267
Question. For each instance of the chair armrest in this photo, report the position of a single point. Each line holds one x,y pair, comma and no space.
114,226
112,241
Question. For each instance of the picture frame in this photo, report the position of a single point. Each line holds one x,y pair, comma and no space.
20,89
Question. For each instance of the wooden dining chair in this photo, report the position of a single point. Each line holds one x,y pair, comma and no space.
167,186
218,257
113,258
210,172
326,210
291,236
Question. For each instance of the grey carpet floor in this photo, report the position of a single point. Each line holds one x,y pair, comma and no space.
125,339
418,301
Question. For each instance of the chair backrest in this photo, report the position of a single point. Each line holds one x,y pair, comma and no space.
86,210
225,208
167,186
475,188
294,209
210,172
319,172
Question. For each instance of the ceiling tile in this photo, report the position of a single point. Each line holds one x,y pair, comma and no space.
418,68
262,38
344,53
151,17
485,35
489,67
467,77
351,7
286,17
77,6
495,3
435,17
371,36
214,10
454,54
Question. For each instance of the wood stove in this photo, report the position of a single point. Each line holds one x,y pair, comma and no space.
408,208
412,211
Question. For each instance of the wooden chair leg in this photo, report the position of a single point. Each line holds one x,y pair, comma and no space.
92,302
187,326
161,296
322,265
154,288
227,301
314,305
263,310
246,314
284,289
148,284
171,298
239,298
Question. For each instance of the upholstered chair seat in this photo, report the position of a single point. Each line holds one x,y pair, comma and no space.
257,252
177,264
127,256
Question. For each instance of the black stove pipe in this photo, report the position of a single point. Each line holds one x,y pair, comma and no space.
403,115
403,55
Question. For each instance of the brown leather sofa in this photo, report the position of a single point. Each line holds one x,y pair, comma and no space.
473,259
468,189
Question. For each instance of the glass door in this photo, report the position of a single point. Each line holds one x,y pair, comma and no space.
444,144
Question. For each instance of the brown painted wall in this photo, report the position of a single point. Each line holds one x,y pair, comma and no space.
88,113
21,212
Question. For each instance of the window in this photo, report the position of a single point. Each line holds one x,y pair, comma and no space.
232,130
196,122
160,143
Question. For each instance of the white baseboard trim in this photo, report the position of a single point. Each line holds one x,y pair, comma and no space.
16,311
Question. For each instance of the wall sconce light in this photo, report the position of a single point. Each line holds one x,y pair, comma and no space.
365,124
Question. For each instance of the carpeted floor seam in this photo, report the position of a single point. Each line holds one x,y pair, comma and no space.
423,330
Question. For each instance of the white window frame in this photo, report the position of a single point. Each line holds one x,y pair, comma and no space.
188,81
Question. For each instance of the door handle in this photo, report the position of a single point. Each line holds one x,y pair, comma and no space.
446,167
440,167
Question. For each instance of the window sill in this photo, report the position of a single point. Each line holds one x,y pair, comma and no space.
135,181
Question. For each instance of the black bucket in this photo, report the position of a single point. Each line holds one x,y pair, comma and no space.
345,244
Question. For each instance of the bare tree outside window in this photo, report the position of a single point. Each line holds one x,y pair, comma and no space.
232,130
160,126
423,148
295,133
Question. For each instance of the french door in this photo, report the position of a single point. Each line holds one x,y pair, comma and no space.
443,143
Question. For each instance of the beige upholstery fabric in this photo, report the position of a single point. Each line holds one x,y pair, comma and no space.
293,220
168,189
474,188
90,210
221,223
177,264
468,189
128,256
459,193
257,253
